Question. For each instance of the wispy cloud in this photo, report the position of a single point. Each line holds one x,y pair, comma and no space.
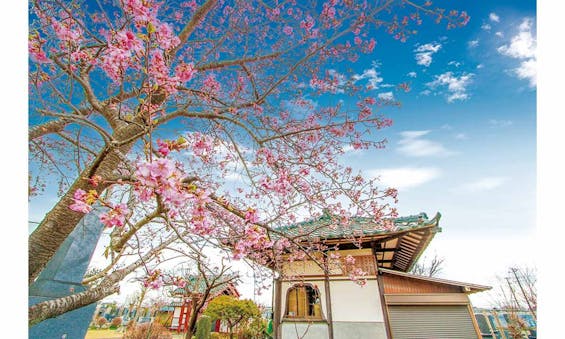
424,53
413,144
486,27
461,136
412,74
405,177
522,46
499,123
482,184
372,76
456,85
299,108
473,43
387,96
494,17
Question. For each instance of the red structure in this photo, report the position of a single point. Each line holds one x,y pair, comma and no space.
184,315
183,308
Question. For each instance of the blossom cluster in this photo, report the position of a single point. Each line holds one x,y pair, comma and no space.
153,280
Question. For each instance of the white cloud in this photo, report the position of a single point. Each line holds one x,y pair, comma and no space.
454,63
388,96
499,123
299,108
426,92
460,136
494,17
424,53
413,144
372,75
523,46
479,66
499,34
405,177
412,74
447,127
486,27
456,86
528,70
482,184
473,43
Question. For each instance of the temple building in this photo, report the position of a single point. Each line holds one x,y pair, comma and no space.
365,290
181,309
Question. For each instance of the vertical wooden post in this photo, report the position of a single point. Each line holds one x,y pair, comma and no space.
328,299
380,285
277,309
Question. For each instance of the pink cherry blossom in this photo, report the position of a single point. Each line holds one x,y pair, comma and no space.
115,217
288,30
185,71
81,202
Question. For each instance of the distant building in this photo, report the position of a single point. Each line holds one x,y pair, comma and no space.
179,311
391,304
495,323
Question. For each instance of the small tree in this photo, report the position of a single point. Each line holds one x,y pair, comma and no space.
232,311
430,268
147,331
203,327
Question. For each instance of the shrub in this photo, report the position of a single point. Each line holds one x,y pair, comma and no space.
256,328
116,322
101,321
203,327
147,331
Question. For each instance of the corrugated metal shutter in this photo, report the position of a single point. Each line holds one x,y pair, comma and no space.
431,322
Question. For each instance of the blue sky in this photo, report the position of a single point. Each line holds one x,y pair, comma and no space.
464,140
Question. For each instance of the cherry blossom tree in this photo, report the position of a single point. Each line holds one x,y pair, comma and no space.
195,122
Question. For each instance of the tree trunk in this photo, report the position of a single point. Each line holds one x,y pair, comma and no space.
45,240
52,308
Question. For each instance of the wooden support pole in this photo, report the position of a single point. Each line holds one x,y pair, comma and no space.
277,309
380,285
328,300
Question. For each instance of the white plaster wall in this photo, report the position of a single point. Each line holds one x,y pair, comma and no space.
176,317
354,303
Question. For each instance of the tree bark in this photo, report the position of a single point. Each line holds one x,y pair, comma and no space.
52,308
45,240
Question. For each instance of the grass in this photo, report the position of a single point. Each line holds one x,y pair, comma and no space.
113,334
103,334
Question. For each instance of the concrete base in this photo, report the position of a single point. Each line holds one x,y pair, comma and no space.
342,330
350,330
305,330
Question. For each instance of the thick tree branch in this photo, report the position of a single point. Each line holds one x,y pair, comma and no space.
197,18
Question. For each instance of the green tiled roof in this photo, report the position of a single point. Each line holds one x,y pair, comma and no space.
199,286
327,227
